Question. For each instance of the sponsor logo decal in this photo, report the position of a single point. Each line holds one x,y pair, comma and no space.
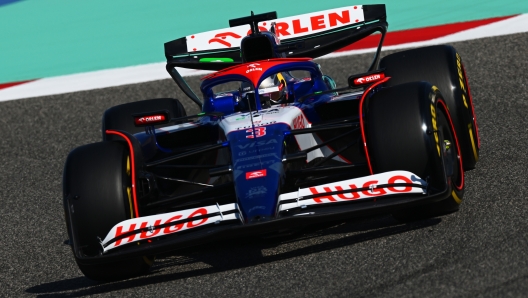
141,228
259,143
257,208
369,79
255,151
261,112
253,67
389,183
256,191
373,190
153,229
256,174
256,123
220,38
313,23
299,122
253,165
272,111
150,119
254,157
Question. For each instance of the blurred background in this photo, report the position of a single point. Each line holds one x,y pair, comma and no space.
49,38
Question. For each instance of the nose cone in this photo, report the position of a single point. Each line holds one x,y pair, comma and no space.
258,170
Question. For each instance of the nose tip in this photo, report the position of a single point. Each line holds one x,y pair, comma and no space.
259,218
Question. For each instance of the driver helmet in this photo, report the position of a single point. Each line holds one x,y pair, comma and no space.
273,90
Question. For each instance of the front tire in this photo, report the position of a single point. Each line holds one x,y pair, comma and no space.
408,128
97,183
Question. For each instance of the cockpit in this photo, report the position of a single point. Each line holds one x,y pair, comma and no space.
230,94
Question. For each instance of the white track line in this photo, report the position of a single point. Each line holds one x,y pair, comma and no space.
93,80
156,71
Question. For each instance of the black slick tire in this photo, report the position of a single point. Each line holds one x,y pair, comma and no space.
95,183
441,66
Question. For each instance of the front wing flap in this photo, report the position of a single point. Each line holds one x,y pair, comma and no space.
152,226
374,194
384,184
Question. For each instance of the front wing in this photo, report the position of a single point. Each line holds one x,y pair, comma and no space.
380,193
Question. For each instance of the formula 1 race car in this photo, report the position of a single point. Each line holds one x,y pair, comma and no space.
277,146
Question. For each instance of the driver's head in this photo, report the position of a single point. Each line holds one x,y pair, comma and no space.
273,90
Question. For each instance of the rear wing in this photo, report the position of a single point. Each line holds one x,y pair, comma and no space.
309,35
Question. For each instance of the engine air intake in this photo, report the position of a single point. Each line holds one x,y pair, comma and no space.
256,48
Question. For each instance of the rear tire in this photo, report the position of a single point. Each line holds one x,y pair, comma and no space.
120,117
441,66
401,136
96,180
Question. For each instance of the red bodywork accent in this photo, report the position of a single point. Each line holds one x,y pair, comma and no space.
254,70
132,166
361,124
446,111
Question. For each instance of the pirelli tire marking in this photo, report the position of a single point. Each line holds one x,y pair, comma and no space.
129,188
433,119
461,80
435,128
470,129
465,92
456,198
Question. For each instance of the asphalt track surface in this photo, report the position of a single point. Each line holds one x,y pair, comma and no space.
482,250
